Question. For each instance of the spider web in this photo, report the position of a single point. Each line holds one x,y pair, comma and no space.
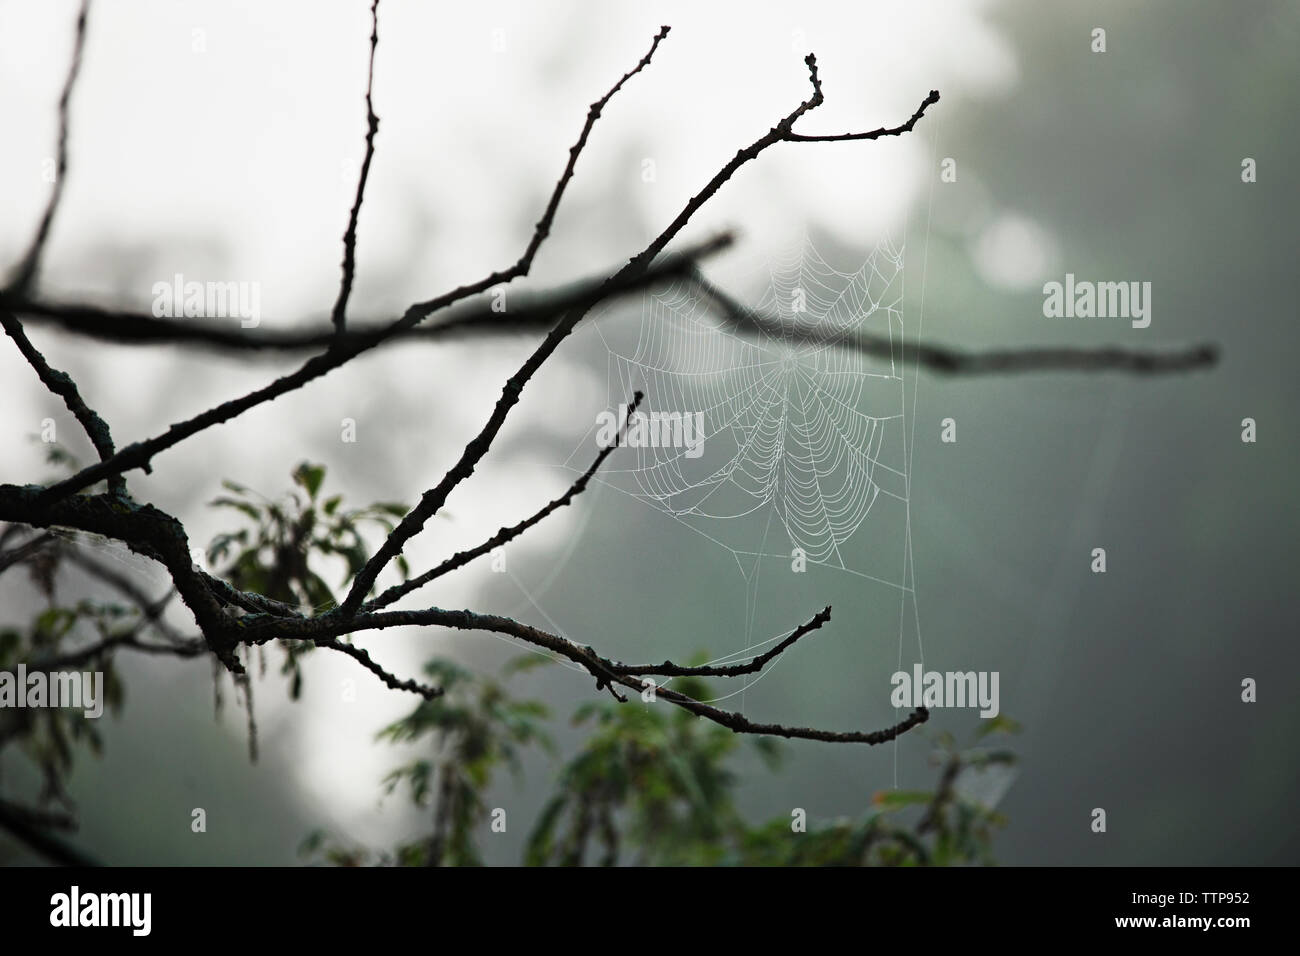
797,436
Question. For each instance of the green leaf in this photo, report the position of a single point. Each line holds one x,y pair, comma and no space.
896,799
999,724
243,506
309,476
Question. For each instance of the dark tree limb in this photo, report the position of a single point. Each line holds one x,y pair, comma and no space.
605,671
148,531
187,647
528,312
883,131
753,666
62,385
25,274
338,315
949,361
362,657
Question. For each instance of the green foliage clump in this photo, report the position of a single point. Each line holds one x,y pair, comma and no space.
654,785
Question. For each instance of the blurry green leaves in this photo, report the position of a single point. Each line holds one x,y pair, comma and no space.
473,729
278,556
897,799
48,736
274,557
651,781
309,477
653,785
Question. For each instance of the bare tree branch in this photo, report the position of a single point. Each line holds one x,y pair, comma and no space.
605,671
62,385
41,818
543,228
189,647
145,529
669,669
25,274
929,101
528,312
360,655
948,361
338,316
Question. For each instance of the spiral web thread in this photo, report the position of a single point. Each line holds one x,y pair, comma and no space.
797,435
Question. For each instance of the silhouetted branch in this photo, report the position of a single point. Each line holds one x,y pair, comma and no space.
334,624
338,316
669,669
25,274
528,312
360,655
926,103
62,385
543,228
948,361
188,647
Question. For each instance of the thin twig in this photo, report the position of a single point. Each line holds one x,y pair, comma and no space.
338,316
883,131
25,274
605,671
669,669
360,655
62,385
